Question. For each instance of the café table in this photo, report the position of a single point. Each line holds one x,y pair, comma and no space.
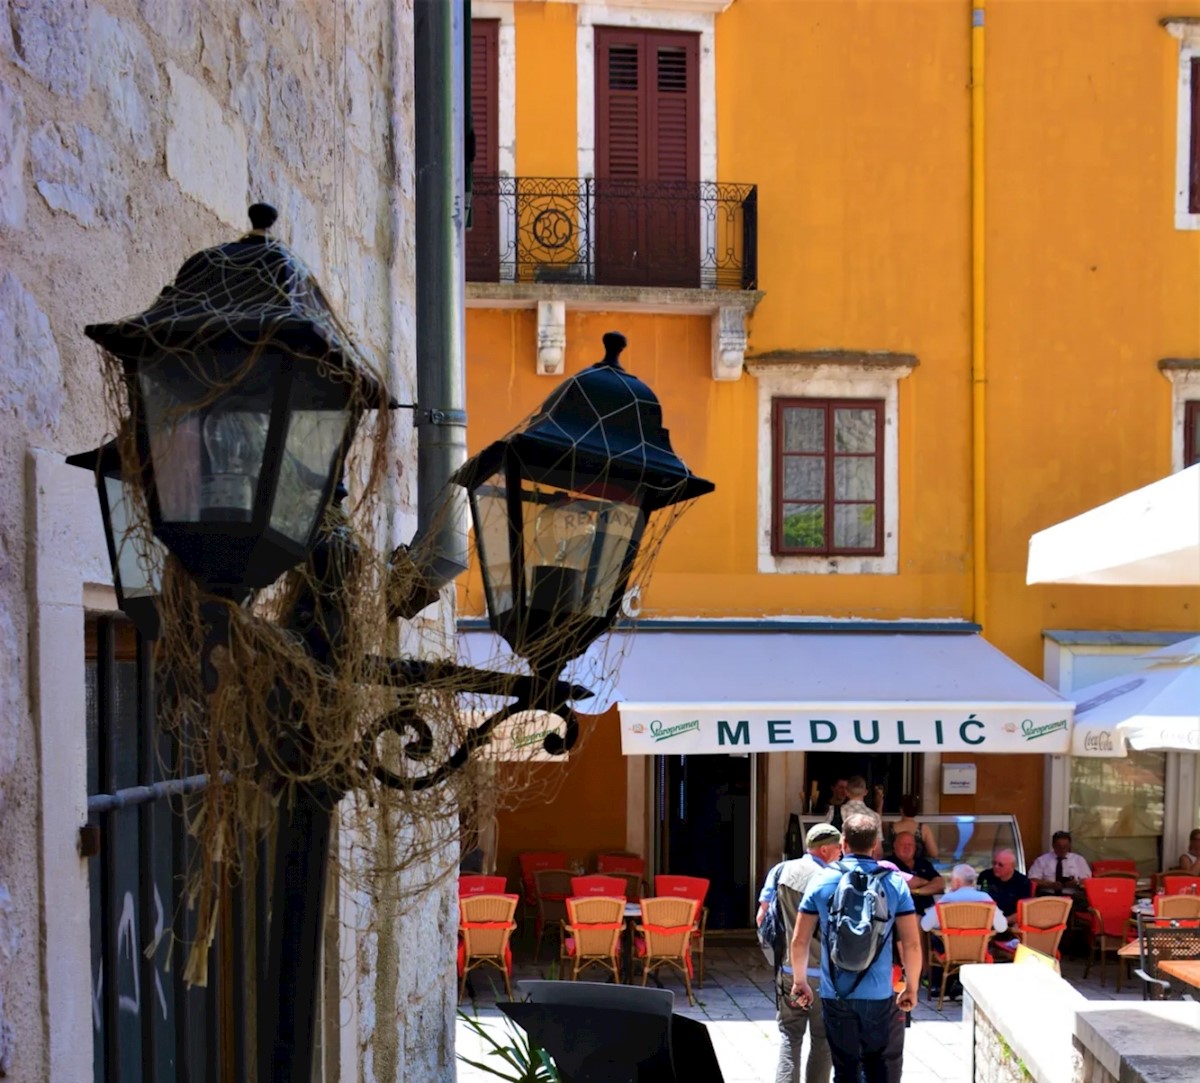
1186,970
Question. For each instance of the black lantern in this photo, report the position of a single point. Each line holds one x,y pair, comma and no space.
136,576
245,394
560,507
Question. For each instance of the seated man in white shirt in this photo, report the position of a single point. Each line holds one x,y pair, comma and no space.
963,889
1059,868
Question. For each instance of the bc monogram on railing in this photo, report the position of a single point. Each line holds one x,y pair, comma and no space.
614,232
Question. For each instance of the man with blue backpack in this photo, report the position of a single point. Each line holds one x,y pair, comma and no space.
779,905
861,910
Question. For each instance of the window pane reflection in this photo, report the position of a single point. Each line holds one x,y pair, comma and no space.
1117,808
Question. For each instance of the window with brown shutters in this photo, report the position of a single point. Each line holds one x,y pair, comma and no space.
647,157
828,477
483,238
1191,433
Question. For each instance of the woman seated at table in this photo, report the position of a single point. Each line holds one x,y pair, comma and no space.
1190,861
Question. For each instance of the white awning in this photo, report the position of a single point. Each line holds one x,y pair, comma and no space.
693,692
1149,537
1153,709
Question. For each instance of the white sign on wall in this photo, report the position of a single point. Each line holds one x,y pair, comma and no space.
668,729
958,778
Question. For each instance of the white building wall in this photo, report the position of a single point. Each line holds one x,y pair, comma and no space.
132,133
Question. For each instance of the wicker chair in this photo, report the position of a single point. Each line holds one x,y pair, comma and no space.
485,927
664,937
552,888
689,887
592,935
1041,923
966,930
530,862
1161,942
1179,907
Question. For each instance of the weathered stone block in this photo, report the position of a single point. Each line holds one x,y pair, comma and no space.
174,21
77,171
13,140
48,38
206,149
32,368
125,73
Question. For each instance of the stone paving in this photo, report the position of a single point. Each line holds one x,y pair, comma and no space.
737,1004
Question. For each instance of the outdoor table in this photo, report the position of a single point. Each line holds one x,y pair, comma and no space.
1186,970
1132,950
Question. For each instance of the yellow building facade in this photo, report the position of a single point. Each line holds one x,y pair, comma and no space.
977,216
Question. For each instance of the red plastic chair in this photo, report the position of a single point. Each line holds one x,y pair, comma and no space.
1110,900
1181,884
620,863
688,887
597,885
532,861
1116,864
480,885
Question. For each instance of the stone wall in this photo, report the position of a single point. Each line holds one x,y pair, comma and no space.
995,1061
132,133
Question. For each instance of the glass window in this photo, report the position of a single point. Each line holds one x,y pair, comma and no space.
1191,433
827,486
1116,808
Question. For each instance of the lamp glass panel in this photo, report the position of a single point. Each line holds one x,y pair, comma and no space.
138,575
310,455
489,502
575,549
208,424
174,432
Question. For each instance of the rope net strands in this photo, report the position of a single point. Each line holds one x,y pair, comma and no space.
299,681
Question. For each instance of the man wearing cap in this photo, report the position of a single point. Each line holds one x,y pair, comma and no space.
824,845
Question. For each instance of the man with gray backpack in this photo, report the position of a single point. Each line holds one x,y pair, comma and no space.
860,909
778,907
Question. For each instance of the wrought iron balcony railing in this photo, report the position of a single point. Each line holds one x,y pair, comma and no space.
582,231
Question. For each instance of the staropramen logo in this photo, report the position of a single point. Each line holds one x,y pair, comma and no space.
661,732
1031,731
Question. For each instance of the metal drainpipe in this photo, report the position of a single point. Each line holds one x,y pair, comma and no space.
441,418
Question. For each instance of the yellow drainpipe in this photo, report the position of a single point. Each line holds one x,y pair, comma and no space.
978,352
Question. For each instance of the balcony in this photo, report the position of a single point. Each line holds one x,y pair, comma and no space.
553,243
577,231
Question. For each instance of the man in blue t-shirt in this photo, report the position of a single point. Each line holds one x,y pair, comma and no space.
858,1008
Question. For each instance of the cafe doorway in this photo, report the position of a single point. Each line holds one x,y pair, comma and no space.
897,772
705,817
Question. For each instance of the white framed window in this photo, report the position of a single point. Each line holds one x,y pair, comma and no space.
1184,374
1187,123
845,378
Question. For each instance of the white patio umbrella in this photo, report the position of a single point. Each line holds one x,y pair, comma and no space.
1149,537
1155,708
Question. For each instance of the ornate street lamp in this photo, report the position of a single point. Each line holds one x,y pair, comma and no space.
137,577
245,395
560,508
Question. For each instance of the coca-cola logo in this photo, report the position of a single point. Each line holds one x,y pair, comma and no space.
1098,741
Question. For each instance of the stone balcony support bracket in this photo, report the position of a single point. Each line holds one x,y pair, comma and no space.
727,310
551,337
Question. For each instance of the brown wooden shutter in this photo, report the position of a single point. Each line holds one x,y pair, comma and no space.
483,238
647,157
